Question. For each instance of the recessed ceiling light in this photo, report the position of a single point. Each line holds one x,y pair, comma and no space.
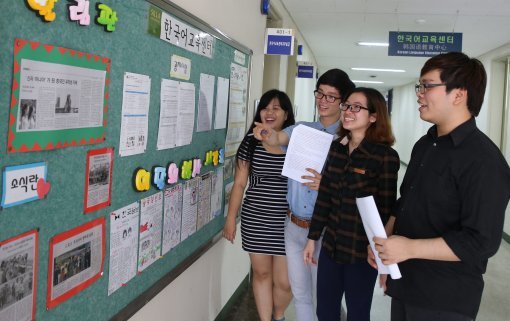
367,82
376,69
373,44
420,21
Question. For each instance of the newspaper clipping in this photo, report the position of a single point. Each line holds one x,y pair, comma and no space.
75,260
99,169
123,245
56,96
18,258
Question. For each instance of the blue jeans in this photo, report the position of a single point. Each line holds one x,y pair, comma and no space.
302,278
357,280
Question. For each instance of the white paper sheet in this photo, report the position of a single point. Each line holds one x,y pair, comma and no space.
134,125
151,215
238,99
204,200
176,114
172,217
308,148
220,117
123,245
205,103
217,192
374,227
189,207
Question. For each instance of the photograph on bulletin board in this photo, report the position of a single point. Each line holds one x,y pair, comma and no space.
76,260
18,266
98,179
59,97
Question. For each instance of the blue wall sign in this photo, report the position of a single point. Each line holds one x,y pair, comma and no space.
279,45
305,71
423,44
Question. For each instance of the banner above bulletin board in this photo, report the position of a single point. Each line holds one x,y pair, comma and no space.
59,98
180,34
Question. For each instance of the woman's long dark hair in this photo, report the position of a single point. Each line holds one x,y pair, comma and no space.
266,98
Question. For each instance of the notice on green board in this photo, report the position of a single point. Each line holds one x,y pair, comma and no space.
59,98
154,25
178,33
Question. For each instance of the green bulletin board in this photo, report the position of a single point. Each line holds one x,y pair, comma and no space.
129,48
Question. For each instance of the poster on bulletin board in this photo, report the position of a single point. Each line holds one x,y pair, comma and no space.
98,179
76,260
18,267
59,97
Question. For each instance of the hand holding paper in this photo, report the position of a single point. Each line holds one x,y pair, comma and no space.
308,148
374,227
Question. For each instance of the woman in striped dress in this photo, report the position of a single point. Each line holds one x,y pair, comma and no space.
264,207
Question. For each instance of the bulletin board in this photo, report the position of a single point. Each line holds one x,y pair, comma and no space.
129,48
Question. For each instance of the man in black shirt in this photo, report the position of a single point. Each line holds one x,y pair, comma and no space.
449,220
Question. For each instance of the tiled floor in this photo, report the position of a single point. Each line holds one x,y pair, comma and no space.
495,301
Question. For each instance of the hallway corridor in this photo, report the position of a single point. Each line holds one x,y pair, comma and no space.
495,301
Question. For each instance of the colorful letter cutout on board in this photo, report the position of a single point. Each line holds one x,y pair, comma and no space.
44,8
80,12
221,159
106,17
159,177
197,166
142,180
186,169
173,174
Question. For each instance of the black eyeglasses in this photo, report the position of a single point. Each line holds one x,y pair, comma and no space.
329,98
353,107
422,88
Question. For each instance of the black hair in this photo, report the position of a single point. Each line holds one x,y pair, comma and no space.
339,79
457,70
266,98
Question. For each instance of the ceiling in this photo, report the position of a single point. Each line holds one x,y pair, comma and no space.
332,29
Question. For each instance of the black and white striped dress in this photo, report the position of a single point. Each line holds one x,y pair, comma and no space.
265,202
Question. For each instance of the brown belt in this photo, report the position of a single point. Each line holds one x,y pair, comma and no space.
299,222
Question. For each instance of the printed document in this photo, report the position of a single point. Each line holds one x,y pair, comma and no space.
308,148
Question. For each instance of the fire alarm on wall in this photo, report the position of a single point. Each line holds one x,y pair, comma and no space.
264,6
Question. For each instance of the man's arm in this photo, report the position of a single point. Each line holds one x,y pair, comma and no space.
396,249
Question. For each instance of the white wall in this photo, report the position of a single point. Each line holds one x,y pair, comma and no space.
493,105
405,121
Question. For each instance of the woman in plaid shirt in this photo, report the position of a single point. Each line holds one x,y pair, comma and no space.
360,163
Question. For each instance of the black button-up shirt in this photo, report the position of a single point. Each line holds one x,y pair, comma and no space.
371,169
457,187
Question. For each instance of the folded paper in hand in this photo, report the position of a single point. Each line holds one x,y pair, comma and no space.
374,227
